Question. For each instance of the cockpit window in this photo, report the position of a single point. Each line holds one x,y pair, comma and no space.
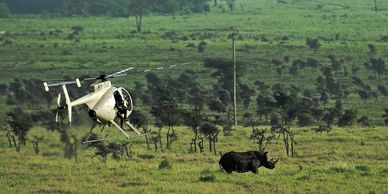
127,98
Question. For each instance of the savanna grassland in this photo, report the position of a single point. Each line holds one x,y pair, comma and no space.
347,160
352,160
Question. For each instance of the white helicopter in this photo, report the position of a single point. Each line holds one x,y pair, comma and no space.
106,103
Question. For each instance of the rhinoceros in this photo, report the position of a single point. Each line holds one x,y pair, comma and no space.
246,161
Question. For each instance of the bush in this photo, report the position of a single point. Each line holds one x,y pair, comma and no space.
201,46
305,119
313,43
207,176
164,164
348,118
362,168
364,120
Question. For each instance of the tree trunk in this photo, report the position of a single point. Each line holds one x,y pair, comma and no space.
161,145
375,5
36,146
138,19
168,138
16,145
145,132
156,145
191,145
285,139
200,144
210,144
195,140
9,139
214,146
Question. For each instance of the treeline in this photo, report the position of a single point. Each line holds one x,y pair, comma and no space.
115,8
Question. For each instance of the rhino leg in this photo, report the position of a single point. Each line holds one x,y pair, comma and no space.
254,170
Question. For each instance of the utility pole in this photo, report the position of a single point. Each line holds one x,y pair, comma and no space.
234,36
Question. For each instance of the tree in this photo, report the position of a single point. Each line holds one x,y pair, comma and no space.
383,90
211,131
232,5
293,70
166,113
364,95
372,49
194,118
4,10
138,8
378,66
221,105
335,64
348,118
224,72
313,43
139,120
375,2
246,94
20,123
385,116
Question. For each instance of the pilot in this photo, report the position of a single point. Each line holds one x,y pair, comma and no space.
121,108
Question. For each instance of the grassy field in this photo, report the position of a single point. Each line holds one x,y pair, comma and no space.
350,160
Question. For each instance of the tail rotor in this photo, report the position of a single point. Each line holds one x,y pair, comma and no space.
60,107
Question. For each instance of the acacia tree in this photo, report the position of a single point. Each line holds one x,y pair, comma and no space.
140,121
166,113
224,71
194,118
385,116
20,123
138,8
222,108
211,131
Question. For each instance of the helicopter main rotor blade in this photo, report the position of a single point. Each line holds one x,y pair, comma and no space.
105,76
156,69
119,72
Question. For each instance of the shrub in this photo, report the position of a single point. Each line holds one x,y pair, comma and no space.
348,118
364,120
362,168
313,43
201,46
305,119
207,176
164,164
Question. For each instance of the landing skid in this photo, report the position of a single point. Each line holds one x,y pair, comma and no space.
132,127
96,140
118,127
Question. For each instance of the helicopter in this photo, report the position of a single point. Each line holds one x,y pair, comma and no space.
106,103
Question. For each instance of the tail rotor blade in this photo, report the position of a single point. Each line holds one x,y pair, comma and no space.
56,116
59,99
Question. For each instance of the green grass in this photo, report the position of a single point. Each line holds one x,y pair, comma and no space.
343,161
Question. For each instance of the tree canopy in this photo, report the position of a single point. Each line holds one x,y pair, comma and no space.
116,8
